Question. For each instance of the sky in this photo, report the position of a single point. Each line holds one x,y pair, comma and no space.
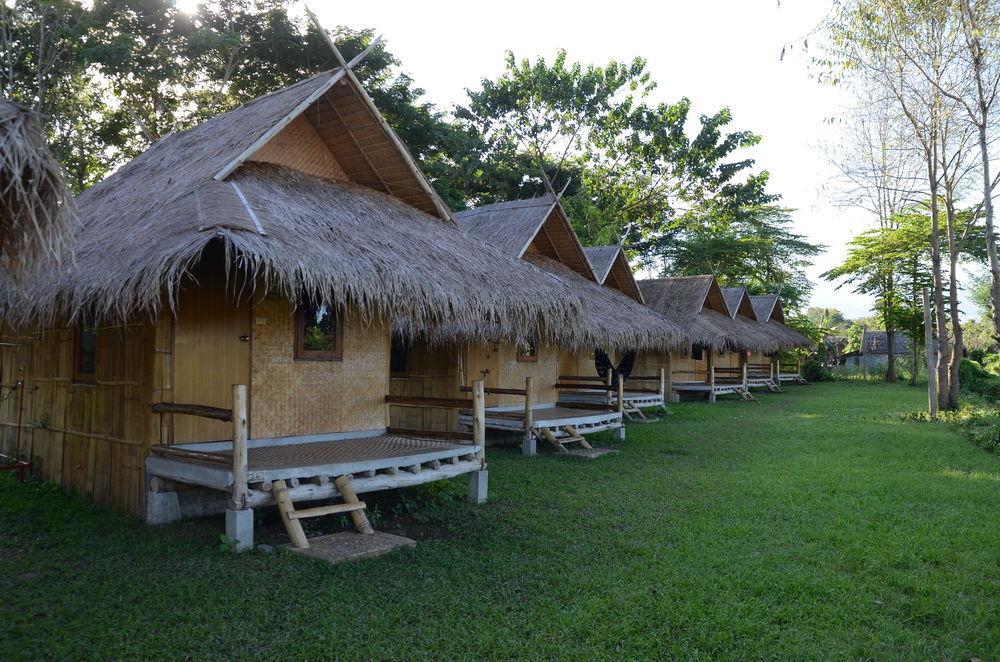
715,52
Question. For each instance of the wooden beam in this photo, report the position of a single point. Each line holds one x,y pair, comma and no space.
203,411
479,419
528,414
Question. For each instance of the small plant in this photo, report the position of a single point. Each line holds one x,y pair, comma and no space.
227,545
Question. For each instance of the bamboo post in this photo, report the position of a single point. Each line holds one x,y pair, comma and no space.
479,418
238,500
608,383
663,384
361,523
621,406
528,415
711,374
529,446
932,400
479,480
743,364
779,368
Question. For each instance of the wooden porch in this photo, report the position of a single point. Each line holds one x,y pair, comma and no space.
556,424
593,389
243,473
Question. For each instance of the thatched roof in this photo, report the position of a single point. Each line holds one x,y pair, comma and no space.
696,304
370,232
612,269
766,306
35,207
612,320
538,232
538,225
765,338
769,313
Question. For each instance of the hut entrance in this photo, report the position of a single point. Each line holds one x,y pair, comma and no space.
483,362
211,353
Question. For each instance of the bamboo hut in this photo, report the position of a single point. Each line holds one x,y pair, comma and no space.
697,304
771,315
35,207
222,340
645,373
764,343
522,378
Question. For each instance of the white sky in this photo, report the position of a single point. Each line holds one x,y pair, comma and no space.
716,52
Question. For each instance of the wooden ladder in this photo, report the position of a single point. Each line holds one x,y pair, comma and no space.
290,516
572,437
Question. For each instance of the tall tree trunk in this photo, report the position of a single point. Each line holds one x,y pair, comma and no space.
890,330
956,322
914,344
944,355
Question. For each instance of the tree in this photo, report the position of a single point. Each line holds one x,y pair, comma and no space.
874,263
752,247
828,318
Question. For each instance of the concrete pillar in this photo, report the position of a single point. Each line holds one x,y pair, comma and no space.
239,527
529,446
621,433
162,507
478,486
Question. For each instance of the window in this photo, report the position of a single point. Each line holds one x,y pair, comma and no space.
85,354
399,354
319,333
696,352
527,351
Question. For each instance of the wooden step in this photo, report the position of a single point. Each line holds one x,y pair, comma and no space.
319,511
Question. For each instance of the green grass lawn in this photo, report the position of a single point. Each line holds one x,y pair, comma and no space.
812,524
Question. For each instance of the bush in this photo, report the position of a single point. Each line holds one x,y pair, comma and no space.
975,379
814,371
991,362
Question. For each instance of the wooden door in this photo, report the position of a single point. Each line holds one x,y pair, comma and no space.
211,353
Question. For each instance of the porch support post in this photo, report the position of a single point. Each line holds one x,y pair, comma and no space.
239,518
621,406
479,480
711,374
529,446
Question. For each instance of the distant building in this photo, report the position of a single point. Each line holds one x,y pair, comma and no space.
875,349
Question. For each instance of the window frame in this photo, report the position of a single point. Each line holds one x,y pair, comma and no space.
303,354
527,358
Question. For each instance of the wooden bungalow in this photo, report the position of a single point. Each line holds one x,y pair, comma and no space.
764,343
697,304
645,381
770,313
522,378
222,340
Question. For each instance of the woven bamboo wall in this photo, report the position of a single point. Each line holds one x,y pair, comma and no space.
430,372
91,438
513,372
289,397
579,362
299,146
683,361
650,363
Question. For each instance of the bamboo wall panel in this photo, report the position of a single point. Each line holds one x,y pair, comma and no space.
292,397
648,364
299,146
89,437
208,357
545,372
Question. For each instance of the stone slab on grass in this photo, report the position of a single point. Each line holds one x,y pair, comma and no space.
351,546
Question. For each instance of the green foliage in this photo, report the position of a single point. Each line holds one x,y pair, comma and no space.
975,379
814,371
828,318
